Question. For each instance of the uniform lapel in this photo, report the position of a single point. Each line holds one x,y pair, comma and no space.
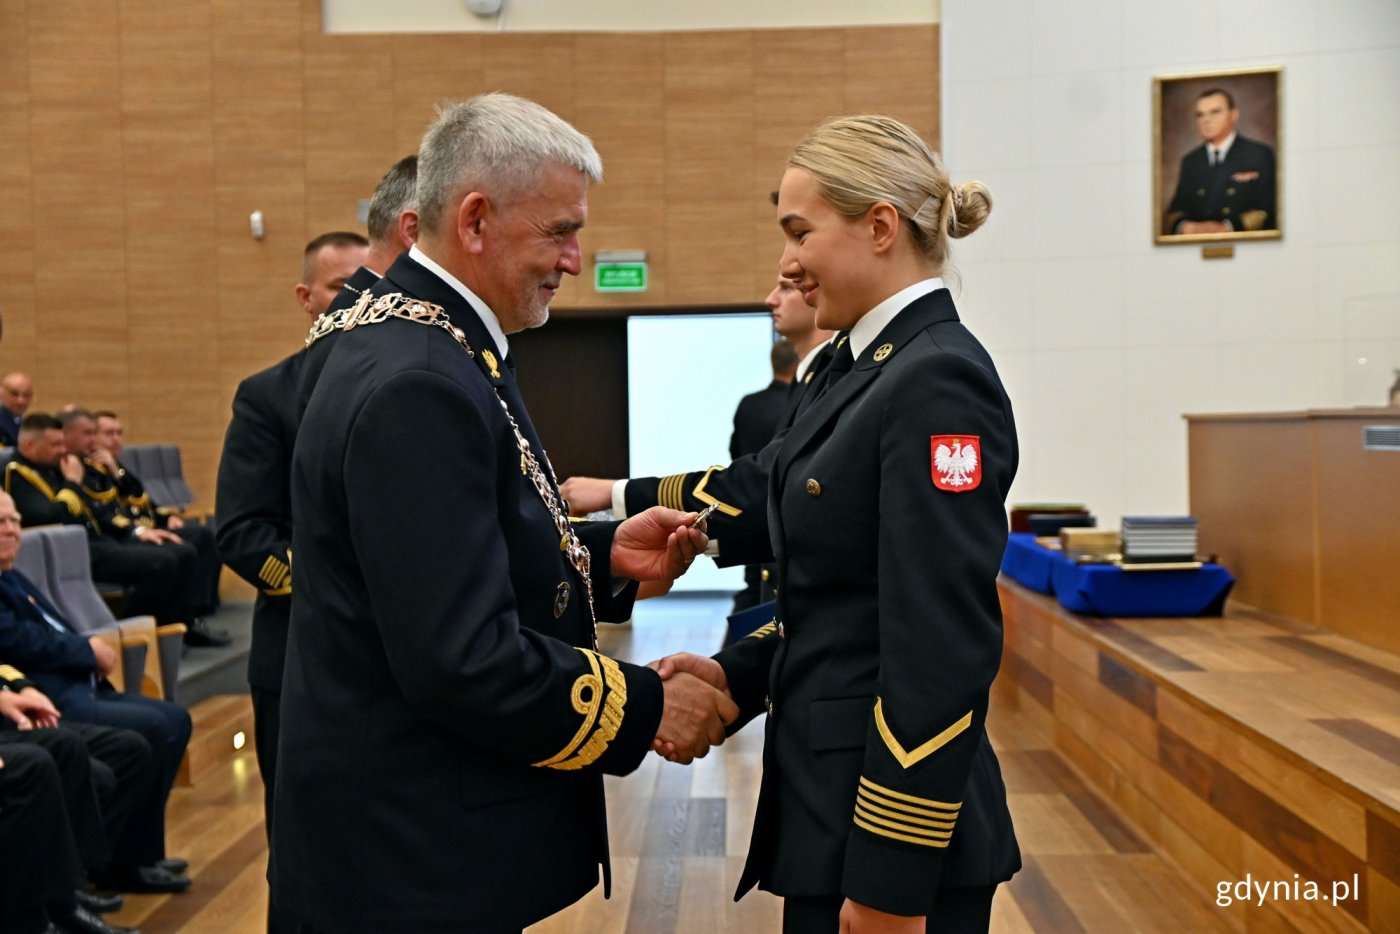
812,422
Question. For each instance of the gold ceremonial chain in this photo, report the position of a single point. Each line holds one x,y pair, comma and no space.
370,309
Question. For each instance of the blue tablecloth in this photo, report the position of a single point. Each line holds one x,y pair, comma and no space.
1106,590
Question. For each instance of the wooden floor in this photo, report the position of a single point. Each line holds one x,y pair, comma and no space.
679,835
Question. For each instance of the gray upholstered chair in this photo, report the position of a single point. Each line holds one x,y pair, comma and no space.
70,587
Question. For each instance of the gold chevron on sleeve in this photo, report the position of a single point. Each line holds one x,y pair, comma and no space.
10,673
602,712
709,499
765,629
906,758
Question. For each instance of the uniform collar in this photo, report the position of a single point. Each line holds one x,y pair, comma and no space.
875,320
483,311
806,365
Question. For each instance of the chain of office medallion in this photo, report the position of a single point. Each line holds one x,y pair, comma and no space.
370,309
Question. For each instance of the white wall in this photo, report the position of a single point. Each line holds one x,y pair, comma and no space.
373,16
1104,339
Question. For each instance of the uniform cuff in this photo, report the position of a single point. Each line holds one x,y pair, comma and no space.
619,499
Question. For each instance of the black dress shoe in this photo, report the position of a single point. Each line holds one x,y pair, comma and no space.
144,879
82,921
172,864
99,904
199,635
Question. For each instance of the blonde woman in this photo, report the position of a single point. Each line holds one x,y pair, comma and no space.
882,806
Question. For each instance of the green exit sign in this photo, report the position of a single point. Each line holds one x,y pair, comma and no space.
620,277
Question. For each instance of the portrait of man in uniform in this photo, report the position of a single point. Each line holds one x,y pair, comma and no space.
1216,156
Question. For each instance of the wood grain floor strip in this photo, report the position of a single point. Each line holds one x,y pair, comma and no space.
1040,903
1340,660
1366,736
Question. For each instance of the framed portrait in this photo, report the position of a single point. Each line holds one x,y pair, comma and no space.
1215,156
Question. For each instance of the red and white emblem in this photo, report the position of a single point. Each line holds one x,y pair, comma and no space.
957,462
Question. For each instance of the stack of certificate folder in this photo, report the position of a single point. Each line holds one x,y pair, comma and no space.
1090,546
1159,539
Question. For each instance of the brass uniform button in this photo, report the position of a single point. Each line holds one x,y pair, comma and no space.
1200,191
768,704
764,574
813,487
1225,211
1229,191
782,633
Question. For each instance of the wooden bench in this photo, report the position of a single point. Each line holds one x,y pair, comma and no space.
1243,746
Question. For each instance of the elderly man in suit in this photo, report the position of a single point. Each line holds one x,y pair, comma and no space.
1228,182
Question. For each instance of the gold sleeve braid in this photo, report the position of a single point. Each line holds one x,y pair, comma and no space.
10,673
602,711
908,818
765,629
277,575
671,492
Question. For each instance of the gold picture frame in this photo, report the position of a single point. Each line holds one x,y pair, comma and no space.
1200,194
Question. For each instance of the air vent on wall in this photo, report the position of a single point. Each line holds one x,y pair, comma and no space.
1381,437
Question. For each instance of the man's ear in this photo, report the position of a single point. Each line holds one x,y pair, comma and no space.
304,296
473,215
883,222
408,229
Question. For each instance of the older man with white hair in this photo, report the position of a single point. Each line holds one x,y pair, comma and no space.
446,715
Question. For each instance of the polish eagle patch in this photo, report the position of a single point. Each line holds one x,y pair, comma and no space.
957,462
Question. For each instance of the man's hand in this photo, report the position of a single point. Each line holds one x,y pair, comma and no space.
103,458
155,536
657,545
1205,227
706,669
862,919
72,468
28,709
587,494
174,522
105,655
693,718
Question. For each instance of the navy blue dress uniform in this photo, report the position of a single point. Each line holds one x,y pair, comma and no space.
446,719
37,639
44,496
253,503
135,502
1241,188
9,428
879,783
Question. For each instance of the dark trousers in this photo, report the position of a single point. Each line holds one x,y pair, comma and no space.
160,576
957,911
69,753
203,591
166,728
39,864
267,709
125,773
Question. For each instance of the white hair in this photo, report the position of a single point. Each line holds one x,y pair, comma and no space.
497,144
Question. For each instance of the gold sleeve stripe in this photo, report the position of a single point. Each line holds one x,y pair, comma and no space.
671,492
101,496
602,713
277,574
906,758
902,826
907,838
10,673
867,805
763,630
928,803
709,499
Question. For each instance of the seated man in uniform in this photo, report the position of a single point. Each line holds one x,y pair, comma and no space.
47,490
100,439
72,670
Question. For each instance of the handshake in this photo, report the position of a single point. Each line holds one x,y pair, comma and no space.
697,707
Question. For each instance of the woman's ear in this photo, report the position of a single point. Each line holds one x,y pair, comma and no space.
884,225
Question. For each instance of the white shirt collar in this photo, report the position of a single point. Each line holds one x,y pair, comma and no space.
483,311
806,363
1223,149
873,321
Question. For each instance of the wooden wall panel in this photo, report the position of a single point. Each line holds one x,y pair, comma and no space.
628,211
136,138
77,176
709,143
798,81
17,218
